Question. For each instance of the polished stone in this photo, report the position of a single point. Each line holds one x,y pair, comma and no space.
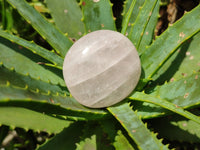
101,69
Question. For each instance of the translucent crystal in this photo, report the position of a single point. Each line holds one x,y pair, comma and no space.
101,69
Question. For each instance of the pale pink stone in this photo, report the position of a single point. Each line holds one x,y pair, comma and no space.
101,69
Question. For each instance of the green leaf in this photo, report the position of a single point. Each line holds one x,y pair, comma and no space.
183,93
121,142
97,14
11,58
95,138
130,13
20,117
108,133
23,97
109,128
138,96
6,13
140,24
127,15
50,56
88,138
87,144
67,16
55,38
184,62
157,54
66,139
148,110
177,128
20,80
136,129
148,33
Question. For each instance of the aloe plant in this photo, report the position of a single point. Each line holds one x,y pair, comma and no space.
33,94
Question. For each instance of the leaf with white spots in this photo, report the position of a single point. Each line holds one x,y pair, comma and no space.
136,129
148,34
97,14
67,16
148,12
129,16
165,45
183,93
156,100
184,62
177,128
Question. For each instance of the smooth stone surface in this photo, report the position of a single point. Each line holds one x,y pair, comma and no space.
101,69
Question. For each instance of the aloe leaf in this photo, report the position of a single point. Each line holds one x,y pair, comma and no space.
38,121
177,128
50,56
21,97
87,144
3,13
109,128
109,132
67,16
66,139
139,26
55,110
102,141
127,15
88,137
130,13
184,62
95,138
136,129
6,13
138,96
78,136
55,38
97,14
10,58
121,142
20,80
157,54
148,35
183,93
149,111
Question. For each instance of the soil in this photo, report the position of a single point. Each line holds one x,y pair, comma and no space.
173,11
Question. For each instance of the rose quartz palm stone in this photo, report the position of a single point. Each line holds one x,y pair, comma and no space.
101,68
